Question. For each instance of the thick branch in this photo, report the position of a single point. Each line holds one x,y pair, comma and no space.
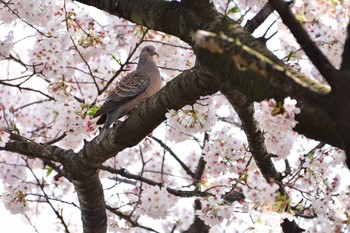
259,18
35,150
81,168
92,203
184,89
186,21
245,111
196,3
246,58
345,64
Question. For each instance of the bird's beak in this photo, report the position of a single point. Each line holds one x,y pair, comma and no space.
154,53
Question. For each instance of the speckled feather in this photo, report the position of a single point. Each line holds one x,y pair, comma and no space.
132,89
125,90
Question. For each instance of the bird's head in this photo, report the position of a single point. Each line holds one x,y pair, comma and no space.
149,50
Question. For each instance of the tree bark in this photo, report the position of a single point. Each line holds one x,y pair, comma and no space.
181,21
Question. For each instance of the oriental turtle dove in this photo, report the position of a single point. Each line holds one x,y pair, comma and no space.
131,90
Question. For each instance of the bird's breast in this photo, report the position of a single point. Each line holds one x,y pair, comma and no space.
155,85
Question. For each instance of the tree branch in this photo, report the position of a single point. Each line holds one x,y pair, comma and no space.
185,89
259,18
345,65
35,150
182,164
245,111
26,89
92,203
186,21
246,58
316,56
82,167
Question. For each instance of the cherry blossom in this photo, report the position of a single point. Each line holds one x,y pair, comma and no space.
214,211
192,119
4,137
277,121
155,202
15,200
59,60
224,154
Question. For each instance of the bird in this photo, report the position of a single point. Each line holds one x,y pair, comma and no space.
131,90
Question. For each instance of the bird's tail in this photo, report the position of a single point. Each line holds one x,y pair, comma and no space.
110,119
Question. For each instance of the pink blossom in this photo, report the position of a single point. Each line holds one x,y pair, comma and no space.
4,137
277,122
15,200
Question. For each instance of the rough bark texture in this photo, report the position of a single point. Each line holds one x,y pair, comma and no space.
184,23
184,89
245,111
212,72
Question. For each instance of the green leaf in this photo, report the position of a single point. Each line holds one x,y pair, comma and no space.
48,171
278,109
290,55
233,10
91,109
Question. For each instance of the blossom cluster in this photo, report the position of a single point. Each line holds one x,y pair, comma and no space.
15,200
258,191
277,121
266,206
225,154
195,118
322,183
214,210
155,202
15,190
65,56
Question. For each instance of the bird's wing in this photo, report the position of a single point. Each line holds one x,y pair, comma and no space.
128,88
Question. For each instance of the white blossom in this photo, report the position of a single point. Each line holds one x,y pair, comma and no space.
4,137
15,198
192,118
277,122
156,202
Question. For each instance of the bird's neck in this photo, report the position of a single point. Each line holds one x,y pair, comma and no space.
146,63
142,60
